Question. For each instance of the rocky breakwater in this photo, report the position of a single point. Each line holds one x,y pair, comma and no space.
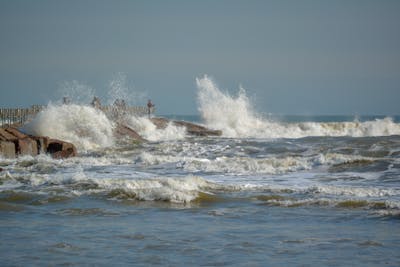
191,128
121,131
14,143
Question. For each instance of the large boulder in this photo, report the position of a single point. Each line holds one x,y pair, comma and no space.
6,136
23,144
7,149
42,143
15,132
61,149
14,143
26,146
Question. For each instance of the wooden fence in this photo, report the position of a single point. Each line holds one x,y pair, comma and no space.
9,116
18,115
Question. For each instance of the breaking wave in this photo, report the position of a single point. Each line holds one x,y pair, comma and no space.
234,115
246,165
171,189
84,126
191,188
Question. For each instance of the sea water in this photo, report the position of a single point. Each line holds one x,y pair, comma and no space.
271,191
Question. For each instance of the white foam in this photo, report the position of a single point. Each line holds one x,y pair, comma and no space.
84,126
246,165
179,190
149,131
172,189
235,116
354,191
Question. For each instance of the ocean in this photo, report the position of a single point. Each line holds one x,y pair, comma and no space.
271,191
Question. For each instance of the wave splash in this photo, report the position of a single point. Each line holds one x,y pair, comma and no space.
148,130
234,115
84,126
89,128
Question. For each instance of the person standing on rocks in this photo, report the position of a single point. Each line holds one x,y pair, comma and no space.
150,106
96,103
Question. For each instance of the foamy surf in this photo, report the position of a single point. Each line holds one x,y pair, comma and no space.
235,116
170,189
246,165
191,188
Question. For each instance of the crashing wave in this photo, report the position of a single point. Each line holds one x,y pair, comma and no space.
84,126
234,115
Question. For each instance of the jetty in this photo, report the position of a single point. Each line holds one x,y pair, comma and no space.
19,116
14,143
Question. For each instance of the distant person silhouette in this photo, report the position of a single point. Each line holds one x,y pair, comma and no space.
96,102
150,105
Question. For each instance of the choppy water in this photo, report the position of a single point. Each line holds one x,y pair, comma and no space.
287,192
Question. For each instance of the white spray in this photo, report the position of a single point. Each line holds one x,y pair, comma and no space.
233,115
149,131
84,126
236,118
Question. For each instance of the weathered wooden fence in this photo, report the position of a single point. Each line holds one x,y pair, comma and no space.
9,116
18,115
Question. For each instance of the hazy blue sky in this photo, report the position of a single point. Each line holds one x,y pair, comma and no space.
292,57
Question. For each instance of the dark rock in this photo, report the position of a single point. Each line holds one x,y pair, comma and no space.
6,136
191,128
7,149
13,143
15,132
122,131
42,143
60,149
66,153
198,130
26,146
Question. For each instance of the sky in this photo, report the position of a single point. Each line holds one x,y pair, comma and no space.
292,57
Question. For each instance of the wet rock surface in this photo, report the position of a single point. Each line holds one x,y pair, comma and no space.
15,143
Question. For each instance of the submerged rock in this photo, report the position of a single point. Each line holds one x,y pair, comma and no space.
191,128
